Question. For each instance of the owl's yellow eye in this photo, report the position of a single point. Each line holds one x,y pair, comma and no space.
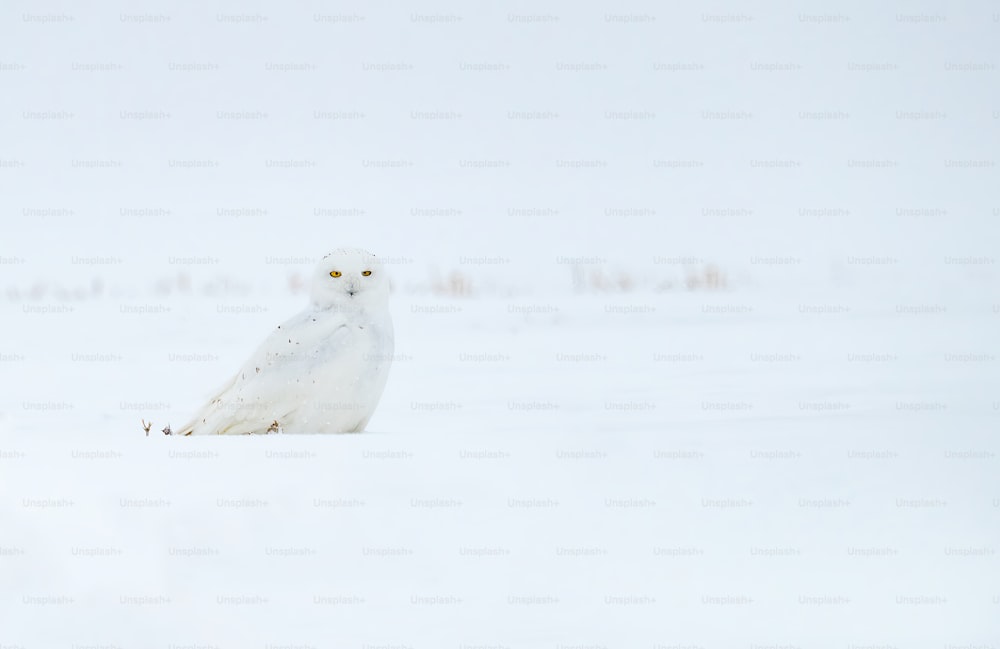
366,273
334,273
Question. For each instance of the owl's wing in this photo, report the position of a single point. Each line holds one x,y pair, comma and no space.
264,390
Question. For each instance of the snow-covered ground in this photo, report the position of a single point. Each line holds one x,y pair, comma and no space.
660,469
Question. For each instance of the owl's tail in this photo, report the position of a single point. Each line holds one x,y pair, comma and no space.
211,419
219,417
216,419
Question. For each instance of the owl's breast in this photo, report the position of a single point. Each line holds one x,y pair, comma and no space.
355,353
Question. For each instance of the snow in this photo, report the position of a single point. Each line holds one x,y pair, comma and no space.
644,470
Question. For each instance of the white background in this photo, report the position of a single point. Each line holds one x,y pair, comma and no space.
696,314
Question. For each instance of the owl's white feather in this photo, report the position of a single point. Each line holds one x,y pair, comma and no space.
321,371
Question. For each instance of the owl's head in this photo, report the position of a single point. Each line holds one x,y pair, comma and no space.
350,278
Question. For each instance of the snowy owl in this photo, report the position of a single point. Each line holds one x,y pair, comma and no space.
322,371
